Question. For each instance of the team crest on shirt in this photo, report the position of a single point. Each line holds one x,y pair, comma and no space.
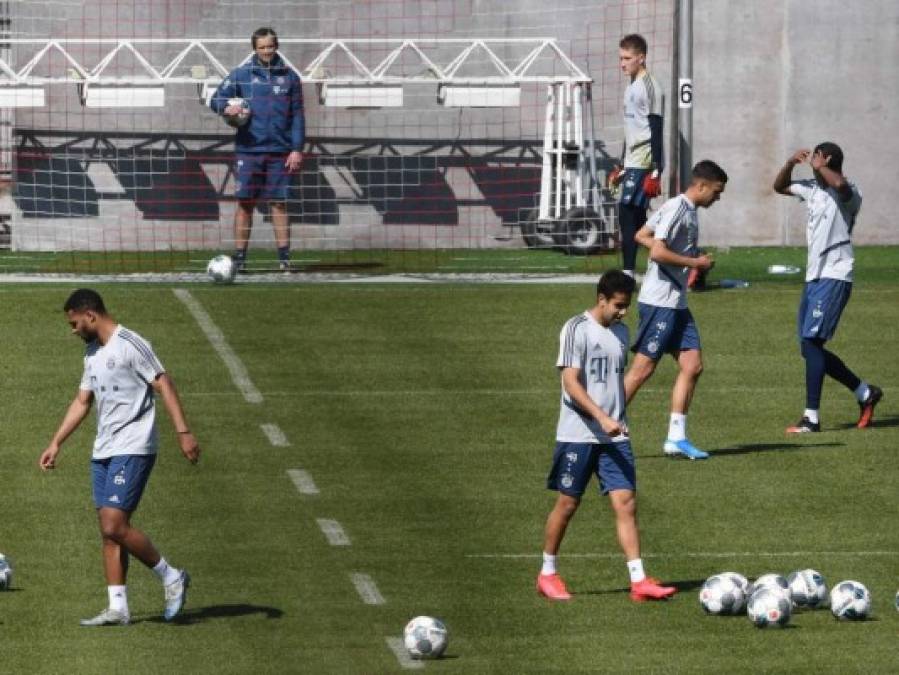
110,363
567,480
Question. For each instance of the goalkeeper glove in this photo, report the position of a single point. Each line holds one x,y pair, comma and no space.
652,184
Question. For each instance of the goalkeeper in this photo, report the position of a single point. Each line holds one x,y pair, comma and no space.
639,180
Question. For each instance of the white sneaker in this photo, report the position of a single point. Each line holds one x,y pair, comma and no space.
108,617
176,596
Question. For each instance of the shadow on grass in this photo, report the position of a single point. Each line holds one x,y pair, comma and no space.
199,614
770,447
681,586
876,423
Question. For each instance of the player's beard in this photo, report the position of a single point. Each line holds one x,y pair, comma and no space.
88,336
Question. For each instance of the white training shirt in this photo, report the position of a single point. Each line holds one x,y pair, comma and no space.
601,355
677,224
830,223
642,98
120,376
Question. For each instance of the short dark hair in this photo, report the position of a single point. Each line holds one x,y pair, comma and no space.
264,32
708,170
615,281
634,42
85,299
832,150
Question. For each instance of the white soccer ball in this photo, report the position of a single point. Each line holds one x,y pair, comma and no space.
807,588
769,607
742,582
850,600
221,269
425,637
774,582
721,594
241,118
5,573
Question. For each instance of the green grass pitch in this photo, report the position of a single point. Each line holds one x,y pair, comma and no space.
425,414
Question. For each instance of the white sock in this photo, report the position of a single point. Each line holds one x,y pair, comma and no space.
677,427
861,392
635,569
812,415
549,564
118,598
165,572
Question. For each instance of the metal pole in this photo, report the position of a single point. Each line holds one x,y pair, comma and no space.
685,91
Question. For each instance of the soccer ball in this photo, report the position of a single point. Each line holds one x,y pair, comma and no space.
5,573
721,594
807,588
222,269
850,600
769,607
774,582
425,637
742,582
242,117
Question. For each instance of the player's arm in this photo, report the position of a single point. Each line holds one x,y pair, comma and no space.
663,255
656,142
834,179
576,391
645,236
785,175
78,410
165,387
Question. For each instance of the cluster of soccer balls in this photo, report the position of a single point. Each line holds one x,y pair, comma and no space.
425,637
771,599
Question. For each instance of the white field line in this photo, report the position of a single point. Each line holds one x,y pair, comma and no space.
367,589
215,336
399,650
696,554
333,532
274,435
303,481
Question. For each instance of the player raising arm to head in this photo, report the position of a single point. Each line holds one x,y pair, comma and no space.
122,374
833,204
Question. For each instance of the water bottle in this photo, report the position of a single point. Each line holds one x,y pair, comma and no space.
783,269
734,283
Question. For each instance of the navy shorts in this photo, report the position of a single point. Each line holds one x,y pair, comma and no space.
119,481
822,304
632,188
574,463
260,175
663,330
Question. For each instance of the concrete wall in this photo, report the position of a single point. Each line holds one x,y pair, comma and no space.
774,76
769,76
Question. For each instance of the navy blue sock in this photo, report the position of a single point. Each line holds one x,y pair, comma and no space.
630,219
240,255
837,370
284,253
813,353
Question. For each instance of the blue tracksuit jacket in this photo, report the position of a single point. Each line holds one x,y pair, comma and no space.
275,95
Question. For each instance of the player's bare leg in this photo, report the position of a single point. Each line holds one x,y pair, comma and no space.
641,370
549,583
689,369
624,504
243,225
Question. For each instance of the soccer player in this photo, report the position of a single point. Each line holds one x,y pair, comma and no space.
269,146
592,435
833,204
666,325
122,374
642,154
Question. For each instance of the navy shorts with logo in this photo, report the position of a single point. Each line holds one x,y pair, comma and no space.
574,464
259,175
822,304
663,330
119,481
632,188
